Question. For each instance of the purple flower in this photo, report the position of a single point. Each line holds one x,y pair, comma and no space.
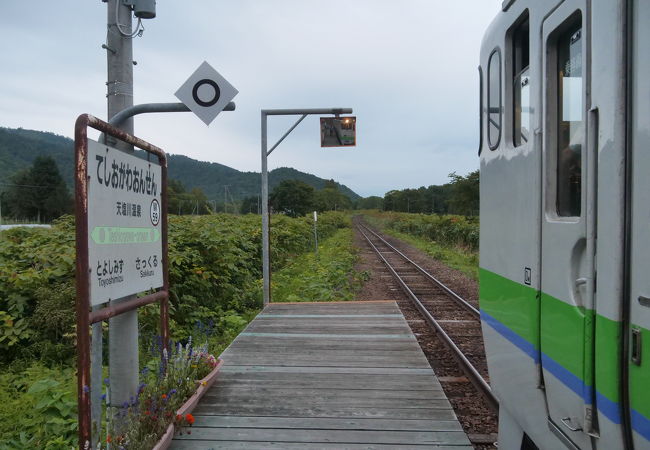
107,381
86,389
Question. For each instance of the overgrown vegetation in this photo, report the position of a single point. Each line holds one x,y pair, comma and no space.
326,276
451,239
215,281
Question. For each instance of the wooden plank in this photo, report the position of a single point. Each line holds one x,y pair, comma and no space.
326,436
387,326
266,358
326,411
248,445
294,335
257,351
321,400
272,342
327,423
314,360
331,316
229,391
349,370
281,383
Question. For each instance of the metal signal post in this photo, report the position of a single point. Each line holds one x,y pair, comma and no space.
266,264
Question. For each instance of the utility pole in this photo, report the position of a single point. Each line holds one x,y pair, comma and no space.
123,329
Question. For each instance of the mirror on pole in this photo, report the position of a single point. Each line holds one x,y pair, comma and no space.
338,131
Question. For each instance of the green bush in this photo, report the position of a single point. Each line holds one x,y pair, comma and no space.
328,276
447,230
214,271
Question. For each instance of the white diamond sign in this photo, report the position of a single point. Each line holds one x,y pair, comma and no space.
206,93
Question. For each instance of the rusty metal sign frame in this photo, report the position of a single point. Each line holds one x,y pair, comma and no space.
86,317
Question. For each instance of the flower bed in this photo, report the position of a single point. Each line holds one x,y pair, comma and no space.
183,413
164,399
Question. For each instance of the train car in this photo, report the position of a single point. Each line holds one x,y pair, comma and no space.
565,222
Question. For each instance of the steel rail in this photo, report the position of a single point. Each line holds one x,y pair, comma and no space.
474,376
461,301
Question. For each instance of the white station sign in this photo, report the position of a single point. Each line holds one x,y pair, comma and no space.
206,93
124,224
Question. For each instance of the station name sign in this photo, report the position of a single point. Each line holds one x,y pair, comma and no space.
124,224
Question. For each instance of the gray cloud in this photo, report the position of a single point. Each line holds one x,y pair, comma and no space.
409,69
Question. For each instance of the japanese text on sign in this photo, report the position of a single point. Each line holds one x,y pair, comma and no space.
124,239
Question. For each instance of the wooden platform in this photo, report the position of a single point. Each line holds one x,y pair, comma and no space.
346,375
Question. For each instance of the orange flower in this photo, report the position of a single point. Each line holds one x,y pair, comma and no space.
179,417
189,418
164,396
109,439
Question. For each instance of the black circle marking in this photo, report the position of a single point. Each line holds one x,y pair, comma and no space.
195,92
154,212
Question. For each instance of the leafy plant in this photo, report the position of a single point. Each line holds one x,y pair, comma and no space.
138,425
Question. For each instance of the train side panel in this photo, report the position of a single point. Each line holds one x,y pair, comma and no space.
639,293
553,262
510,244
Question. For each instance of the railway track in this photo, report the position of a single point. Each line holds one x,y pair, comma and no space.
454,320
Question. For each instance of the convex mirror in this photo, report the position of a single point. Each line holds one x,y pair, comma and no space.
338,131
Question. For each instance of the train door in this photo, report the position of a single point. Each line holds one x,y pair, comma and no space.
567,255
638,359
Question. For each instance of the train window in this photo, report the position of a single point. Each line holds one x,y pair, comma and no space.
480,110
570,130
494,99
521,83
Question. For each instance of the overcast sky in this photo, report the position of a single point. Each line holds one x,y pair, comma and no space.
408,69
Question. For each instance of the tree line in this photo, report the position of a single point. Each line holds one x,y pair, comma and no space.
459,196
39,193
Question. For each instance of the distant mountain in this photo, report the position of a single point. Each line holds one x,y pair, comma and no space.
19,147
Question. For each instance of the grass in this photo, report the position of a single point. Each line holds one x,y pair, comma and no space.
457,258
328,276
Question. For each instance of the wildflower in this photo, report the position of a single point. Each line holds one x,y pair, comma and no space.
204,383
172,392
189,418
103,397
106,381
109,439
164,396
86,389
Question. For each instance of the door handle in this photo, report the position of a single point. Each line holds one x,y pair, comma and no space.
636,346
567,423
581,282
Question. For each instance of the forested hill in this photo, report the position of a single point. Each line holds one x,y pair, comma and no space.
19,147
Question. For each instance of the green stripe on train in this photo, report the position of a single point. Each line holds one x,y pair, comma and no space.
517,306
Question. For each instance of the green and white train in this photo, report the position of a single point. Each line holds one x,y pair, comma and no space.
565,222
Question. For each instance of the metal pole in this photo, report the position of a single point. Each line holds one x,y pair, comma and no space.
266,264
316,232
123,329
265,217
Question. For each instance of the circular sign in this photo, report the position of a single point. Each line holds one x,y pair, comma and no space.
154,212
215,96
